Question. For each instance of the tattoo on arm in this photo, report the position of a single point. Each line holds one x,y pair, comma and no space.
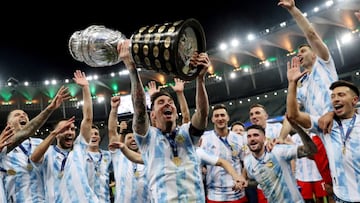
140,117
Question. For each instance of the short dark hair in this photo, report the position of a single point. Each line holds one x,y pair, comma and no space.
257,127
93,126
57,122
237,123
341,83
128,129
219,106
157,95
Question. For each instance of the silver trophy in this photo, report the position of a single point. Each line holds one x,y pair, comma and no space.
163,48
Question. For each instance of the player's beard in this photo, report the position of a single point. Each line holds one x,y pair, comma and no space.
168,126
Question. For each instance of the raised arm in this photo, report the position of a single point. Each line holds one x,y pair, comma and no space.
292,111
141,120
5,135
200,118
179,90
36,123
309,148
113,119
357,14
152,88
87,120
285,129
40,150
310,33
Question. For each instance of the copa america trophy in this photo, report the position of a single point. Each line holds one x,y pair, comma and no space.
163,48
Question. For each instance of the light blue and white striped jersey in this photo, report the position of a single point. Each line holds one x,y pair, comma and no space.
74,185
97,167
27,184
167,181
50,169
344,167
206,158
272,130
306,169
130,178
314,94
2,176
273,173
219,183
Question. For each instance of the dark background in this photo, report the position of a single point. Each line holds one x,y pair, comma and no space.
34,36
34,47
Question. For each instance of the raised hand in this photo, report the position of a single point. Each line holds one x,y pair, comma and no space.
124,53
202,60
357,14
179,85
62,95
80,78
115,102
5,135
152,88
64,126
288,4
293,70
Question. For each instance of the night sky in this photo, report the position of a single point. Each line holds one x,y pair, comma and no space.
34,37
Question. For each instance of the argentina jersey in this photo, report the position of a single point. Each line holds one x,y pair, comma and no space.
219,183
97,167
25,184
314,94
2,176
344,161
272,172
74,180
130,178
306,169
171,179
272,130
50,169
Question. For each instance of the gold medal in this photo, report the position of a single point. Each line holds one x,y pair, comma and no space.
11,172
344,150
179,139
299,84
234,153
98,173
136,174
29,167
61,174
177,161
269,164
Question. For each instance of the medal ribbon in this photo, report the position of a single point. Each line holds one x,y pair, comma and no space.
64,159
26,152
134,167
97,164
225,141
303,78
171,139
2,170
261,160
345,137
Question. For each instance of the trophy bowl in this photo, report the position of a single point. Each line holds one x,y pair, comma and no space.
163,48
